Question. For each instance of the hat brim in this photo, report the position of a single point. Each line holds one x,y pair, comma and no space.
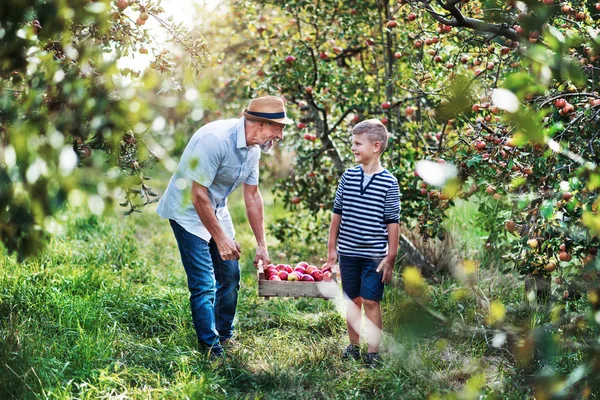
283,121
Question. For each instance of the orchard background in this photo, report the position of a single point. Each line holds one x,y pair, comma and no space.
494,113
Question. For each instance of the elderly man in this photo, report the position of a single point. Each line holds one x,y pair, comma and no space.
219,157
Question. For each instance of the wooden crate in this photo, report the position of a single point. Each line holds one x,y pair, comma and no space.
296,289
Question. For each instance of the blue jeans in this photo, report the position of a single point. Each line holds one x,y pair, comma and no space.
213,283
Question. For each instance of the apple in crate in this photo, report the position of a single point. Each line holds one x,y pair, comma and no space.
280,267
310,269
308,278
274,278
317,275
327,276
302,264
288,268
300,269
283,275
294,276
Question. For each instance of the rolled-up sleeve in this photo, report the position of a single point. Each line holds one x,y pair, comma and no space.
391,213
339,196
252,179
204,160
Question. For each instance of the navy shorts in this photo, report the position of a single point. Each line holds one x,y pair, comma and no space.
360,277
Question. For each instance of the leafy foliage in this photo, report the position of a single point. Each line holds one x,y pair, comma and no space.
61,107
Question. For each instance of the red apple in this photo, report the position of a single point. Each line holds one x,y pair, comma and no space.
280,267
283,275
385,105
288,268
310,269
317,275
323,56
409,110
308,89
308,278
275,278
122,4
301,125
294,276
411,16
302,264
327,276
300,269
290,59
392,24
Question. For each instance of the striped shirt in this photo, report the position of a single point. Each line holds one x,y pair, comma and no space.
366,212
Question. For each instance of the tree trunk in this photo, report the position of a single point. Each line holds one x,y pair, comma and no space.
539,285
414,257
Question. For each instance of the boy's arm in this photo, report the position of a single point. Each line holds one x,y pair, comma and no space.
334,230
387,264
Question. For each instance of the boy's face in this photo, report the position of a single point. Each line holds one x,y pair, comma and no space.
363,149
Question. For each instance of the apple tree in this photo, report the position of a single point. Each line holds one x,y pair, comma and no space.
504,91
67,112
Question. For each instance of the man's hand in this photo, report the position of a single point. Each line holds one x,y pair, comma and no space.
261,255
331,258
388,270
229,249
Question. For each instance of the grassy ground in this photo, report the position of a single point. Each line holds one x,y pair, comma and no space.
104,312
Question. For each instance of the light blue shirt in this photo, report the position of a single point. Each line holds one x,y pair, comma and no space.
217,158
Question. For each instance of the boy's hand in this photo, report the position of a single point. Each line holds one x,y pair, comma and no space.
331,258
388,270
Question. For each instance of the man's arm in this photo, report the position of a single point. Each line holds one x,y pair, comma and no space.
255,214
228,248
334,230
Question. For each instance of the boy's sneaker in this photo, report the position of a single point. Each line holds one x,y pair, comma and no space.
353,351
373,360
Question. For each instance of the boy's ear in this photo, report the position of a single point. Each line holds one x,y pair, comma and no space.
377,147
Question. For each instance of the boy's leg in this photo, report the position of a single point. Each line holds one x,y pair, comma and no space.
227,274
195,256
374,324
354,319
350,273
371,291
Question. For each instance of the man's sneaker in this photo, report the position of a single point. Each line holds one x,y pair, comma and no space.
212,353
353,351
230,344
373,360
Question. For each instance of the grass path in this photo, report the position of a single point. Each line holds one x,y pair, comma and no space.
104,313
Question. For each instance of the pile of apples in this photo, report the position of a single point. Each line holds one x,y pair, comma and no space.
302,272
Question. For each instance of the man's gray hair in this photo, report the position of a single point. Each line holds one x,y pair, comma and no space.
375,131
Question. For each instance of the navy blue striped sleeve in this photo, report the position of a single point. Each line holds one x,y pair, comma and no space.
391,213
339,194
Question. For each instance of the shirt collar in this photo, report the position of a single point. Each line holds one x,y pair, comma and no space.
241,134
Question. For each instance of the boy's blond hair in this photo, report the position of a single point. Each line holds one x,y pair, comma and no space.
375,131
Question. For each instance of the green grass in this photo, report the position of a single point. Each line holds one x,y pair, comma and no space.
104,312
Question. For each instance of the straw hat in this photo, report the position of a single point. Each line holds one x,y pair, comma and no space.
267,108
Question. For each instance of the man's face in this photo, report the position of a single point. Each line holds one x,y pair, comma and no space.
268,133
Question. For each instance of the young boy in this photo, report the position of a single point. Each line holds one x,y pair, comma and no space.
364,227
